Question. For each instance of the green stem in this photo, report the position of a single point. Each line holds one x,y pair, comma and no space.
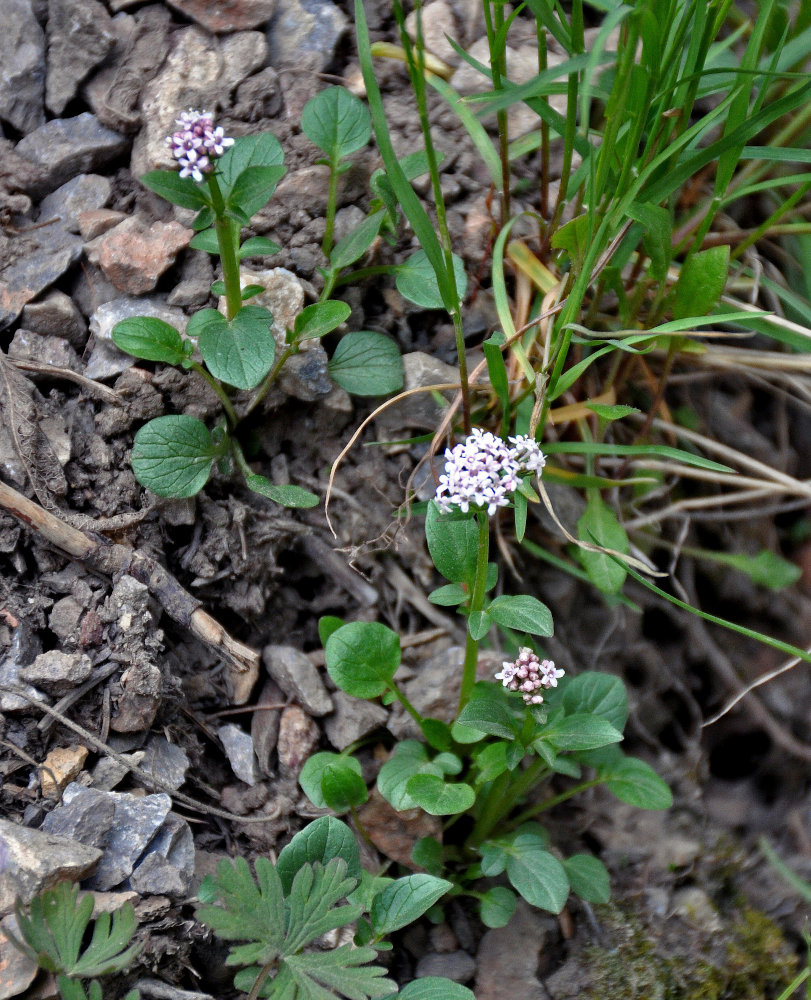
500,800
227,405
228,251
240,459
476,602
536,807
398,694
494,22
332,201
270,378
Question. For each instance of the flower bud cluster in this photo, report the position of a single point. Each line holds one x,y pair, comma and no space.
484,471
529,675
196,143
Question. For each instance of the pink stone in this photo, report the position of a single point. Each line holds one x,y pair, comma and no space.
133,255
221,16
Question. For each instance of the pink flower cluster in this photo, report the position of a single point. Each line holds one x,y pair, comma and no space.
529,675
196,143
484,470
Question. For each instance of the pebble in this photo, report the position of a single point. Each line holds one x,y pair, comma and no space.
167,867
194,285
80,194
133,255
59,768
57,672
106,359
296,675
20,649
56,315
65,147
165,760
108,772
238,747
64,618
456,965
395,833
141,698
97,221
85,815
80,36
33,860
226,15
507,970
298,737
305,26
22,67
265,725
17,971
55,351
352,719
438,20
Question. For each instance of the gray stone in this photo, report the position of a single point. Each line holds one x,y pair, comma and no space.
108,772
64,618
65,147
352,719
167,867
165,760
56,315
305,26
226,15
55,351
31,861
419,411
22,67
504,970
106,359
17,970
85,814
80,36
238,747
296,675
458,966
136,821
81,194
194,286
438,20
57,672
265,725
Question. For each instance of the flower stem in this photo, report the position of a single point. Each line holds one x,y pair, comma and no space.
398,694
332,200
502,796
537,807
228,251
476,602
227,405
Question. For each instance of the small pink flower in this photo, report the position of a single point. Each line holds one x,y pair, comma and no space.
196,143
528,675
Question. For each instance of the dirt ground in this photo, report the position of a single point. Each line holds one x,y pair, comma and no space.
697,910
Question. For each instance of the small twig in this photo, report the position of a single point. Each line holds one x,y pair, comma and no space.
54,371
763,679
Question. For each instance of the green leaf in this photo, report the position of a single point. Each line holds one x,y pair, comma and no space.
701,282
321,840
635,782
658,239
258,246
767,569
453,543
479,624
435,796
437,734
448,596
522,612
573,237
427,854
409,758
249,291
497,906
405,901
149,338
263,150
535,873
172,456
598,525
355,244
417,281
253,188
313,772
491,761
597,694
489,711
588,878
435,988
497,370
172,187
337,122
319,319
611,412
285,494
367,364
239,352
580,732
206,241
343,786
362,657
328,624
494,859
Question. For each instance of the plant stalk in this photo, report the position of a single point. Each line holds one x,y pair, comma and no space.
228,251
476,602
227,405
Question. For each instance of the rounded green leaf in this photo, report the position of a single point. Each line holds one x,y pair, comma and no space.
357,241
523,613
416,281
453,543
598,525
497,906
427,854
173,188
263,150
490,710
253,188
327,625
448,596
409,758
588,878
321,840
240,352
149,338
258,246
342,786
285,493
479,624
435,988
313,772
432,794
367,364
635,782
536,874
172,456
337,122
405,901
580,732
597,694
206,241
362,657
320,318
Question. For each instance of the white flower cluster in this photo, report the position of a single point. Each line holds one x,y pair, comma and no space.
529,675
196,143
484,470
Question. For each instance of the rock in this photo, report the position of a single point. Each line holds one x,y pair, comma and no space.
106,359
419,411
31,861
194,287
199,67
352,719
65,147
64,618
108,772
22,67
395,833
80,36
265,725
30,346
56,315
58,672
167,867
19,651
17,971
438,20
81,194
165,760
134,255
226,15
507,968
298,737
97,221
60,767
260,96
296,675
238,747
695,906
303,27
141,698
456,965
85,814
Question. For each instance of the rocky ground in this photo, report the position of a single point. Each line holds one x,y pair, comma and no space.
196,751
